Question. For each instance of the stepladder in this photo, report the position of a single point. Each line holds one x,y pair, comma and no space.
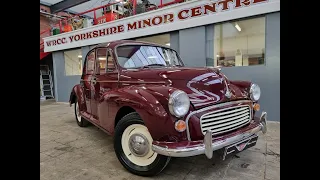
46,83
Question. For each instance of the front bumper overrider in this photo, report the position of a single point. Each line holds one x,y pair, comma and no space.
208,145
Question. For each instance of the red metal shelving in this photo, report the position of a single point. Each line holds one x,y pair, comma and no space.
63,22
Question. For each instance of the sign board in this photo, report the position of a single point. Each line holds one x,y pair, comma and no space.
175,17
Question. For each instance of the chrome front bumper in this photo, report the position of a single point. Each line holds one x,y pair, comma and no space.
208,145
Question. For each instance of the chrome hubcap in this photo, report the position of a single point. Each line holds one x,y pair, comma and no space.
139,145
136,145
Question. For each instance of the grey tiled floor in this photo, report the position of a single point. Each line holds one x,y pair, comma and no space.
70,152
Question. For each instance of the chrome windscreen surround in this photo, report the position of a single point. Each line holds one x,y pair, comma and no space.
236,103
225,120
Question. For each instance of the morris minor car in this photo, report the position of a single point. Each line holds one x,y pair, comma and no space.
156,108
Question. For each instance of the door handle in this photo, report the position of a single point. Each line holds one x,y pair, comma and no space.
94,81
81,84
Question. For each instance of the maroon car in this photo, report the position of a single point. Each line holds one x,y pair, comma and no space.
156,108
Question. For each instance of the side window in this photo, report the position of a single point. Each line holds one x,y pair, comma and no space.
101,61
90,63
110,63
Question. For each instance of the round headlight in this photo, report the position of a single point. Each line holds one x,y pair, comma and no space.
255,92
179,103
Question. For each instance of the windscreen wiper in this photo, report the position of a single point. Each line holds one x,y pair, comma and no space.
146,66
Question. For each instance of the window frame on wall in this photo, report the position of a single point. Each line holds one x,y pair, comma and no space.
79,63
218,51
142,38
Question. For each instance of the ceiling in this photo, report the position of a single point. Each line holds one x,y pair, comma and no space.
93,4
51,1
79,8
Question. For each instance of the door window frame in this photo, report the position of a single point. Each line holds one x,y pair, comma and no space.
108,52
85,67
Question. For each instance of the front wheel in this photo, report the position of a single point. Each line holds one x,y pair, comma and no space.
132,144
80,120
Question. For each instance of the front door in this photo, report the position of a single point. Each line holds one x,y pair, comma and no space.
88,72
105,80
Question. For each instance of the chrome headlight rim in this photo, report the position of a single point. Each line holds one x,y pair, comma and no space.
254,87
172,99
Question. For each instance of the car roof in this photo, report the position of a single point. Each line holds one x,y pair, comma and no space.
114,44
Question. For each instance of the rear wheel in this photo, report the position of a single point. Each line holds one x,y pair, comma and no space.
80,120
132,144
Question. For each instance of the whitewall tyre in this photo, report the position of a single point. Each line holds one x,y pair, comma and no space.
132,144
80,120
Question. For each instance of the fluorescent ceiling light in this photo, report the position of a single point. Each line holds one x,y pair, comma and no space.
238,27
168,44
150,57
79,56
102,58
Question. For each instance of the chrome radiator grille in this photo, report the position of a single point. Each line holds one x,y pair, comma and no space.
225,120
